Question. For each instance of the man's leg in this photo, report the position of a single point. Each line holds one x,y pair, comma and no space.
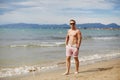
76,64
68,63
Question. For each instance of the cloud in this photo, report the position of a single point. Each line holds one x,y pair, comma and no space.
88,4
59,11
56,4
7,6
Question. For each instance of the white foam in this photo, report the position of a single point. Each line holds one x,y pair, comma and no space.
97,57
105,38
12,46
24,70
41,44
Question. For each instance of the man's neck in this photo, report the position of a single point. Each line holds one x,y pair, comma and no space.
74,28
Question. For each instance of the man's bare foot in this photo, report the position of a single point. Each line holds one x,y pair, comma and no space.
76,72
66,73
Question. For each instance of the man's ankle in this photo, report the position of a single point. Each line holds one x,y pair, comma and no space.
66,73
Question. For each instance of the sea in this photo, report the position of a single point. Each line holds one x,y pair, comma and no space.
27,50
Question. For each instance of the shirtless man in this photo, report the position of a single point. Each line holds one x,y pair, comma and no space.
73,41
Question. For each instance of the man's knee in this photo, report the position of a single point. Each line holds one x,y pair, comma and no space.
68,58
76,59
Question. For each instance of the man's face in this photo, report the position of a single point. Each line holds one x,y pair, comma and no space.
72,24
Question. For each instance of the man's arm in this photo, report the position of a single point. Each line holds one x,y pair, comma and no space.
79,37
67,39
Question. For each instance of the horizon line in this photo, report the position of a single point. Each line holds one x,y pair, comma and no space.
57,23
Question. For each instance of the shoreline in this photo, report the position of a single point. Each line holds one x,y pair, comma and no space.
103,70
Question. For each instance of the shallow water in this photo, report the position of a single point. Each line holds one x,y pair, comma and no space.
22,50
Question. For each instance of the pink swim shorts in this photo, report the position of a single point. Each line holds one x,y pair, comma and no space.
72,50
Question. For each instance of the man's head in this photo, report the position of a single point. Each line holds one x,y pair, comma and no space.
72,23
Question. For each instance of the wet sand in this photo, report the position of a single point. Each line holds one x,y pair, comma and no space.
105,70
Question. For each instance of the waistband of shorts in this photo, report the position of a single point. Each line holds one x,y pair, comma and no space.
72,45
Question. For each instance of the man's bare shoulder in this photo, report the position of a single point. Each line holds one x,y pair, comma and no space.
78,31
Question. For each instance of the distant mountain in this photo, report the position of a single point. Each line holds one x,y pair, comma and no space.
113,25
91,25
85,26
24,25
98,25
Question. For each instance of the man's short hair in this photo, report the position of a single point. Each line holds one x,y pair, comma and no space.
73,20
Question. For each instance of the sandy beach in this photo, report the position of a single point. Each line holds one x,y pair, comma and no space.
105,70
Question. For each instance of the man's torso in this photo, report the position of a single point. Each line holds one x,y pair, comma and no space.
73,36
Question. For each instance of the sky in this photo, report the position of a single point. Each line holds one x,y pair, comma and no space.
59,11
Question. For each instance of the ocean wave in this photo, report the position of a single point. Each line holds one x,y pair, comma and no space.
101,37
57,37
6,72
105,38
42,44
97,57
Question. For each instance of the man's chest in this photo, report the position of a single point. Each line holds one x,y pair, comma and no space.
73,33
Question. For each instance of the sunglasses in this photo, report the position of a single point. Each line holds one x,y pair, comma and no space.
72,23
